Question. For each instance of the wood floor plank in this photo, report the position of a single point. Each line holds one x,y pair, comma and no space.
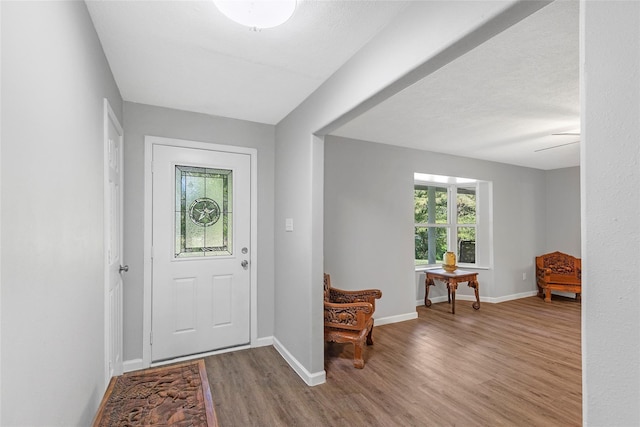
515,363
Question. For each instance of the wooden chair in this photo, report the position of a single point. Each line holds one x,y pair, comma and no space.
347,317
558,271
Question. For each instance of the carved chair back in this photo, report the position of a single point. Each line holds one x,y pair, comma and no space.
560,265
327,285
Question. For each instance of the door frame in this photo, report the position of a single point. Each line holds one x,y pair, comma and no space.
149,143
109,116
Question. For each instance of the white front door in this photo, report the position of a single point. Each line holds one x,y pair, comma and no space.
113,242
201,209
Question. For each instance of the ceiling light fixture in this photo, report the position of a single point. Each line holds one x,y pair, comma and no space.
257,14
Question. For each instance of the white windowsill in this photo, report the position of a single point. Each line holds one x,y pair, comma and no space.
460,266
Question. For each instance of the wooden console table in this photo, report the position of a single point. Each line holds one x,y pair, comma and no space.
451,279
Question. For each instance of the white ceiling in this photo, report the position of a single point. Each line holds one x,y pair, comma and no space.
501,101
187,55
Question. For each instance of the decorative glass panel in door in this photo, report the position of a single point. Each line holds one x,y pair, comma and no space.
203,212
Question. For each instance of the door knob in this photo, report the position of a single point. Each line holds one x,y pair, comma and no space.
245,264
124,268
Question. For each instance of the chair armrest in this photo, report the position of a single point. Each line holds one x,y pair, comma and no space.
363,295
543,274
350,316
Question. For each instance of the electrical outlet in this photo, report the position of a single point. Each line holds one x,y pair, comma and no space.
524,276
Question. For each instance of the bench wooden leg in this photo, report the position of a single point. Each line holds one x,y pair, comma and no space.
547,295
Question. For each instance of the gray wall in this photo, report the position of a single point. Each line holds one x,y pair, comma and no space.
141,120
54,79
430,35
368,236
610,202
298,261
563,211
368,221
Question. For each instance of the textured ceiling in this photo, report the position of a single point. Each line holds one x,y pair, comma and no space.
500,101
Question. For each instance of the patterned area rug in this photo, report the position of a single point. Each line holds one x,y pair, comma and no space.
174,395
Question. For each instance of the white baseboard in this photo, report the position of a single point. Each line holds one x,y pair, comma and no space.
132,365
395,319
564,294
310,378
262,342
491,300
441,298
513,296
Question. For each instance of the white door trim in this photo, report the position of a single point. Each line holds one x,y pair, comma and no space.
149,142
110,117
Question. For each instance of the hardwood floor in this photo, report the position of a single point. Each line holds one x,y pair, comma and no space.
516,363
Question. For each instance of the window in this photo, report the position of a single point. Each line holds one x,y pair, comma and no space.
446,218
203,212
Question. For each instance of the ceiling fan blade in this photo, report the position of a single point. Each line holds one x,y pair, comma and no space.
556,146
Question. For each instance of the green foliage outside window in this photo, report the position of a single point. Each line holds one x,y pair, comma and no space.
422,244
422,213
466,205
432,224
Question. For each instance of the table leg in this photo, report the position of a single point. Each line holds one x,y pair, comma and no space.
475,285
427,282
453,286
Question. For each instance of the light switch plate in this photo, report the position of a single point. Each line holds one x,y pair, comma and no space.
288,224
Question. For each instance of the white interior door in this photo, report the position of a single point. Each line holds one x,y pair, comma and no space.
201,208
113,242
